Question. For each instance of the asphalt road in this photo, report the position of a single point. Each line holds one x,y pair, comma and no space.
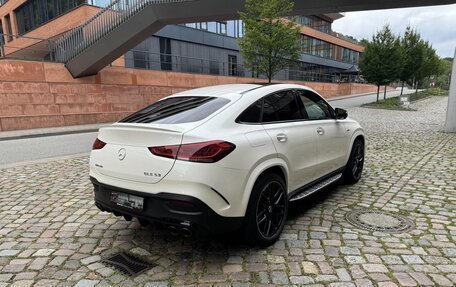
347,103
38,148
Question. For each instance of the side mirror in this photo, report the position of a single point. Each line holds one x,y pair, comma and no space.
341,114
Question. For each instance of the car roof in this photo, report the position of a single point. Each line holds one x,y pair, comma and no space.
236,89
220,90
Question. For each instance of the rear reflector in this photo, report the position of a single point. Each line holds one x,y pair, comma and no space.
205,152
182,206
98,144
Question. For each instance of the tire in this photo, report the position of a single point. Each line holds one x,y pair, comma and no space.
267,211
354,168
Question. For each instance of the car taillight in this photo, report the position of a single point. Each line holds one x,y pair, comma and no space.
206,152
98,144
165,151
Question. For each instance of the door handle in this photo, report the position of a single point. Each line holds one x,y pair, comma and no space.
320,131
282,138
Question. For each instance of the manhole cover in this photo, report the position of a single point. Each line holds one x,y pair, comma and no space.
376,220
128,264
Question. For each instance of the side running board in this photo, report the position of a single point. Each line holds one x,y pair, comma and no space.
314,188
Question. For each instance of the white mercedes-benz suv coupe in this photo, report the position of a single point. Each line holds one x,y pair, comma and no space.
225,158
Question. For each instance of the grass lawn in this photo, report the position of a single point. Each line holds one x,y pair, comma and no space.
395,103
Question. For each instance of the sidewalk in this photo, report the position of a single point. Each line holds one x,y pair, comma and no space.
13,135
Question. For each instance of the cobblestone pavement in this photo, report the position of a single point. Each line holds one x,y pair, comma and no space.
52,235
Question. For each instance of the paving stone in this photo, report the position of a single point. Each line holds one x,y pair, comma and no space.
22,283
279,278
8,253
404,279
90,260
301,280
309,268
375,268
86,283
43,252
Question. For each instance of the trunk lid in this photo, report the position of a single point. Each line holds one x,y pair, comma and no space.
126,154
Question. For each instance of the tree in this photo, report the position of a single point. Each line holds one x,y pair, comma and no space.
430,66
443,79
270,43
382,59
413,55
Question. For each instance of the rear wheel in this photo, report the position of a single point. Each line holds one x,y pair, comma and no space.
267,210
354,168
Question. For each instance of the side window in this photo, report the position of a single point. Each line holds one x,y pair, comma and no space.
280,107
315,107
252,115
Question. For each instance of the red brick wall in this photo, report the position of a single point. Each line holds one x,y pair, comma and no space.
38,95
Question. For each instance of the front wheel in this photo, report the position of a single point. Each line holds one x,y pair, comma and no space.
354,168
267,211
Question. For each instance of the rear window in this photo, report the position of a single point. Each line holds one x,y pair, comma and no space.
178,110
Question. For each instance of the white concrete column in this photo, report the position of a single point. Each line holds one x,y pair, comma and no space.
450,125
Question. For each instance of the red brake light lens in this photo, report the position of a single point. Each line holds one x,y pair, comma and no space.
205,152
169,151
98,144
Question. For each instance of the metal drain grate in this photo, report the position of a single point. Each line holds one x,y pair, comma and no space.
376,220
128,264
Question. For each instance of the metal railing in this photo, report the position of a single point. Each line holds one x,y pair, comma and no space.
25,47
112,16
138,59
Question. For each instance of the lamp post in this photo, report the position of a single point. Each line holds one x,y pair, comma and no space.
450,125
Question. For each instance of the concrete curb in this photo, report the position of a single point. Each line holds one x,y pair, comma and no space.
55,131
44,160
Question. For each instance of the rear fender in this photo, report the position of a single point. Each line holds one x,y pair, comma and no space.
358,132
255,174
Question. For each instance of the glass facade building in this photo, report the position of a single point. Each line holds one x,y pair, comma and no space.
203,47
320,48
232,28
315,22
37,12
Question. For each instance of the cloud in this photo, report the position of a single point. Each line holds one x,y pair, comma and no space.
435,23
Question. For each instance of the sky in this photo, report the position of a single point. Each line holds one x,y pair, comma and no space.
436,24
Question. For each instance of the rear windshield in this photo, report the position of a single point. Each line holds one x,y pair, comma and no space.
177,110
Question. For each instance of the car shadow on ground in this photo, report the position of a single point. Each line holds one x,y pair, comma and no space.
186,247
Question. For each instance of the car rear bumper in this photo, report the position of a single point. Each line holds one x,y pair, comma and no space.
159,208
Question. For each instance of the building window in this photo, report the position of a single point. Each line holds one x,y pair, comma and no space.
2,39
232,65
327,50
99,3
232,28
165,54
37,12
222,28
316,23
141,59
8,32
3,2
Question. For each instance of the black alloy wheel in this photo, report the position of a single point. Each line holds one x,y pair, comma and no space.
267,210
358,162
354,169
270,211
